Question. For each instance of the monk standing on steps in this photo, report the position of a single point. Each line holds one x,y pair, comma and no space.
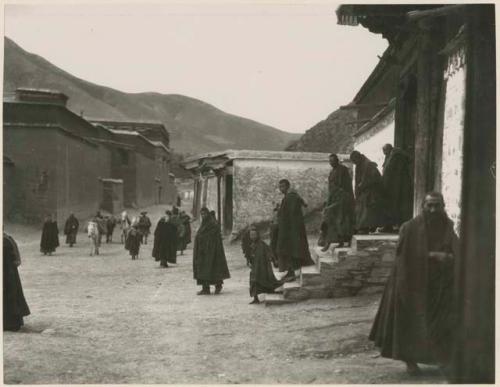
292,247
209,258
414,322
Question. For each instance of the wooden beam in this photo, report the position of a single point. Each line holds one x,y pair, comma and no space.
442,11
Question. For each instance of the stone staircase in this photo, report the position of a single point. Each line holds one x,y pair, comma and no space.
360,269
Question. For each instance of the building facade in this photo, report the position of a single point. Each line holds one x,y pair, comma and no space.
60,163
241,186
440,67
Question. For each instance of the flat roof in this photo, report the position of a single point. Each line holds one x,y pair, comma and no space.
232,154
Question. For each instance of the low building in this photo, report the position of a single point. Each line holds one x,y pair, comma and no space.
61,163
241,186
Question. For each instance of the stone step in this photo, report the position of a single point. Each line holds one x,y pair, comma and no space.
310,276
275,299
362,242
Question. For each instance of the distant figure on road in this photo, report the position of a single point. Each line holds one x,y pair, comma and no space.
209,258
338,214
133,241
369,194
15,307
110,228
291,246
259,257
186,221
165,243
124,226
144,227
179,225
414,322
396,177
50,236
93,234
101,223
71,230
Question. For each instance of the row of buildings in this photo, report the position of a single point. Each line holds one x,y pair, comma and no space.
56,162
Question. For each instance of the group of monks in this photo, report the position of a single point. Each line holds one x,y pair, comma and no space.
415,319
378,201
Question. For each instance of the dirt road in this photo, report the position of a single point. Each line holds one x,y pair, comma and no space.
108,319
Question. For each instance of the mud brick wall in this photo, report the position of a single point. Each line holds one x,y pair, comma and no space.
363,269
255,187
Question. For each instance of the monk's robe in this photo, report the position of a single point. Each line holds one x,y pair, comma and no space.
338,217
14,303
50,237
262,279
292,247
209,258
369,195
165,243
133,241
396,177
71,230
415,319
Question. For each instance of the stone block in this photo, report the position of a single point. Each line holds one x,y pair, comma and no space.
371,289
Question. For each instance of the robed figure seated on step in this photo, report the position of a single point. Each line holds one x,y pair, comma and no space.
259,257
415,320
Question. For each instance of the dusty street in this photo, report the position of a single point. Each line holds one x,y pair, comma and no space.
108,319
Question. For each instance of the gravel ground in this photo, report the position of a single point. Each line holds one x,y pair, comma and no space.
108,319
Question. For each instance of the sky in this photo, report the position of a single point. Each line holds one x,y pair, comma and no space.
288,65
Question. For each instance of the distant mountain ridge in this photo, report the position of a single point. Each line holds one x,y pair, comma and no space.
194,126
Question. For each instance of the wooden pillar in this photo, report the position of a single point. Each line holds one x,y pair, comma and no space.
427,99
474,360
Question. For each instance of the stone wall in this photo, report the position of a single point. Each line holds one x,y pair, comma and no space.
362,269
255,187
453,136
371,141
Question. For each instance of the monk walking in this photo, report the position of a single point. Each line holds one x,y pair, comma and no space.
396,178
291,244
369,194
338,214
209,258
414,322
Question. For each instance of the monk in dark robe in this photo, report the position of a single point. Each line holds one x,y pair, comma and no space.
369,194
179,224
133,240
50,236
259,256
186,221
144,227
339,208
414,322
165,243
110,228
209,258
15,307
71,230
291,246
396,178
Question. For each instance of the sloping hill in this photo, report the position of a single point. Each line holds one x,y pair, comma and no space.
194,125
333,135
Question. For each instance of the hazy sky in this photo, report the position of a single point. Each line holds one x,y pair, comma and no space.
284,65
